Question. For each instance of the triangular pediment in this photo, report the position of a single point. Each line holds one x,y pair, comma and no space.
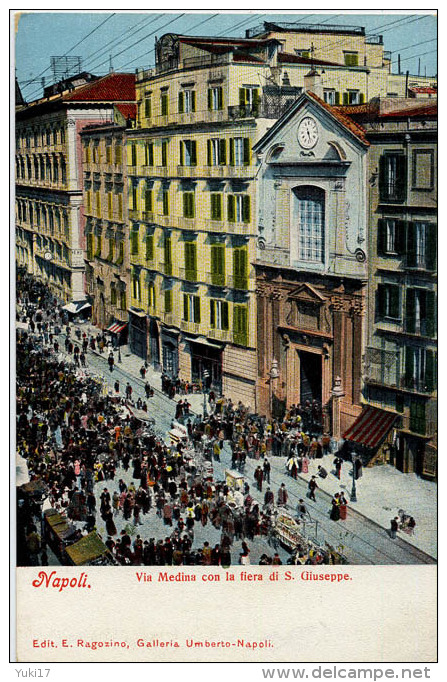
305,292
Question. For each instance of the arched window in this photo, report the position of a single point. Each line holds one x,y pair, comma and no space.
310,219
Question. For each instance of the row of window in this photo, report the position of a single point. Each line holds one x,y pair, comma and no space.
417,407
95,246
41,138
217,259
187,100
420,308
238,206
393,171
40,215
193,310
93,152
414,240
44,167
235,151
114,201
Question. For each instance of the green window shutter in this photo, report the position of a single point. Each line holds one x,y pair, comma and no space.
212,314
430,311
247,153
168,301
210,98
182,154
430,247
381,237
401,183
196,309
345,98
231,208
242,97
246,208
381,300
337,98
193,100
255,102
430,369
149,247
165,202
383,189
222,152
395,302
401,233
231,151
362,98
180,102
218,206
409,366
220,98
225,315
193,153
208,152
410,319
411,245
213,210
185,207
185,307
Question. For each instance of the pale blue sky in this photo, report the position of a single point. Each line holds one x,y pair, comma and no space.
129,37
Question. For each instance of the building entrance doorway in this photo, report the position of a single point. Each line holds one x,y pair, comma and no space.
310,376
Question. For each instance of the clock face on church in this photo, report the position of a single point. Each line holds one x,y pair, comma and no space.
308,133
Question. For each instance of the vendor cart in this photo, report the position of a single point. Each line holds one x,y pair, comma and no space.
89,551
234,479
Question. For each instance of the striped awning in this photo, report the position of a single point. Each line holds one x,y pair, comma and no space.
371,427
116,327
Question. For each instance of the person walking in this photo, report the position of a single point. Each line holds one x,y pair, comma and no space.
394,527
267,468
312,485
258,476
282,495
111,361
338,463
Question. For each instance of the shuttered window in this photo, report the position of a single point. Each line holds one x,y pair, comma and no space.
388,301
420,311
191,261
164,103
149,247
393,177
219,314
164,153
188,205
168,300
218,264
165,199
191,308
391,234
216,206
167,252
134,238
240,267
240,324
215,98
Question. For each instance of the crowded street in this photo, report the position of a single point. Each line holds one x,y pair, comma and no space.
177,478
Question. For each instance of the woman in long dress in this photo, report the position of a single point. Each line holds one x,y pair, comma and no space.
335,511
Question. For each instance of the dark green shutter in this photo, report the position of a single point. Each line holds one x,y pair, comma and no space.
381,237
383,189
209,157
231,208
168,300
345,98
430,246
149,247
193,153
193,100
224,315
210,98
410,319
231,151
180,102
337,98
430,370
212,314
196,309
246,208
185,307
246,151
255,102
362,98
395,302
430,312
401,232
401,181
409,366
242,97
182,153
220,98
411,244
185,207
222,152
381,298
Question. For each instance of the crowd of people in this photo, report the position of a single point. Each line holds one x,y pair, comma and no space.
78,439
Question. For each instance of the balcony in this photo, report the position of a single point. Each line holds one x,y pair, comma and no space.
416,385
148,216
419,262
219,334
188,275
187,171
215,279
168,319
134,214
190,327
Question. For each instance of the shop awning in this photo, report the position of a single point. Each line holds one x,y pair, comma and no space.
76,306
371,427
116,327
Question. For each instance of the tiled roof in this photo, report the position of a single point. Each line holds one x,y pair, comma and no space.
424,89
347,122
127,110
243,57
109,88
289,58
420,110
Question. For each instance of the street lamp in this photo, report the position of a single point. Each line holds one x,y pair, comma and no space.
205,377
354,490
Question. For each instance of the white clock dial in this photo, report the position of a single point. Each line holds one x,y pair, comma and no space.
308,133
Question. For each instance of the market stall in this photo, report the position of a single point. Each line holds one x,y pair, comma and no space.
89,551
